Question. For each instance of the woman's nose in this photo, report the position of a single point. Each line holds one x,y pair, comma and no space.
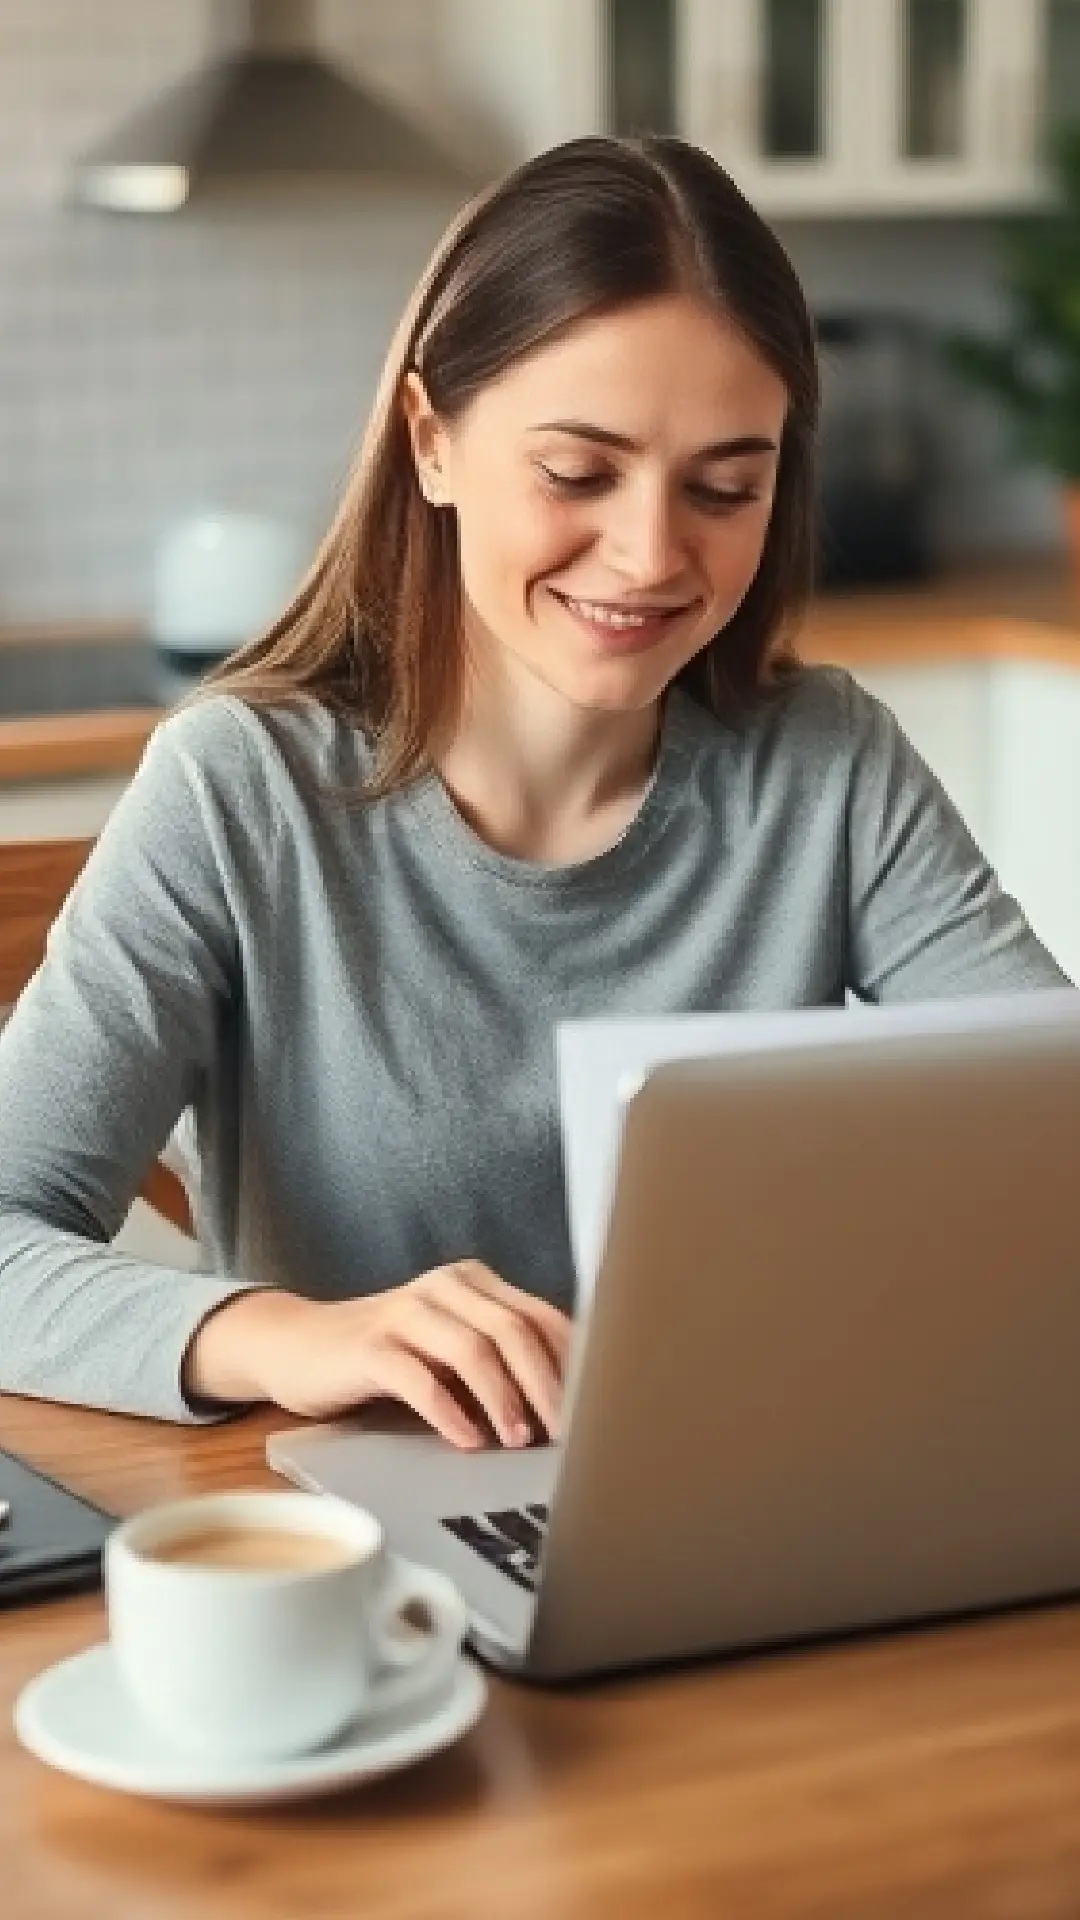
644,540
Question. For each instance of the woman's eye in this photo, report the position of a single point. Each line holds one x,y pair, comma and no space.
571,482
713,499
720,500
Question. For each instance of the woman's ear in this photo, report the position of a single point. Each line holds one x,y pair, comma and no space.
425,435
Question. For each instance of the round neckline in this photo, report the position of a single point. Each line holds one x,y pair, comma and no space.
429,798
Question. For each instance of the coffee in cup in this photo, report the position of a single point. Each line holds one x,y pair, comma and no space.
259,1549
258,1625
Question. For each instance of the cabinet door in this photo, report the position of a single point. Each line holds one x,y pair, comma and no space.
759,85
1005,61
937,113
860,106
716,81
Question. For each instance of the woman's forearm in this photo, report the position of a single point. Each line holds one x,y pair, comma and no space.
83,1322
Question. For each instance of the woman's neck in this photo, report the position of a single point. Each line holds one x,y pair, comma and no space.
537,778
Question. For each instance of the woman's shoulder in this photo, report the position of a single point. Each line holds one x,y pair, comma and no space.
297,740
811,709
224,723
241,769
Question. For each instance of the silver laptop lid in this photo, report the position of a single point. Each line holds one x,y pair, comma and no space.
830,1378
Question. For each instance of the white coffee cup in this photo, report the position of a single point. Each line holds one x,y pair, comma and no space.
260,1663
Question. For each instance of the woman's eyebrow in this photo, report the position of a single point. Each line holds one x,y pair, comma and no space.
717,450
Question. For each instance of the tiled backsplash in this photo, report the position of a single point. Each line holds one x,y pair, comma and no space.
150,368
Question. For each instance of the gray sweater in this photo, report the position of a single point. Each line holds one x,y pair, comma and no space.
357,1004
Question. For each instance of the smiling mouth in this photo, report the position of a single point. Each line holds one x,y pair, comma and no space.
620,619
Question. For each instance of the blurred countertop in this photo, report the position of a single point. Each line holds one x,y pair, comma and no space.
1027,610
1023,610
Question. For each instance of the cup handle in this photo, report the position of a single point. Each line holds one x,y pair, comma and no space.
407,1668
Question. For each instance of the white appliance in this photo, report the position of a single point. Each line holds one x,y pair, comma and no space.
219,579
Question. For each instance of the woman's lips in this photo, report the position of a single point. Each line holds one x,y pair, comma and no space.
623,639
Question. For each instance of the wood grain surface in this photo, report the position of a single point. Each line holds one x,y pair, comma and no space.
928,1774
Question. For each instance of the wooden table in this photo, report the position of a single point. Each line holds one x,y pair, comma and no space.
921,1774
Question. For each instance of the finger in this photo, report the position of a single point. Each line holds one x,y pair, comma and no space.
523,1351
397,1371
435,1333
554,1327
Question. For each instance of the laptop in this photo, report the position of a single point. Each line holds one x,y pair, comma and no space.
826,1366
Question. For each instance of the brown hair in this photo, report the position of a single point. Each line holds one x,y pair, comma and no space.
590,226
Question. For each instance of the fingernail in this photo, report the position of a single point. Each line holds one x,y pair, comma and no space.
519,1434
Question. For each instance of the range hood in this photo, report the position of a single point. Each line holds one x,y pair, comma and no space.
265,103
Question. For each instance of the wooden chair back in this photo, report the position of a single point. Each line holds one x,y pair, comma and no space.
35,879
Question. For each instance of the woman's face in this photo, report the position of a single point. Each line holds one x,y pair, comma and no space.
612,494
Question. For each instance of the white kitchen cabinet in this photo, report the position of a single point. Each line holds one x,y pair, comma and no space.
815,106
950,111
1006,88
1003,738
767,86
868,106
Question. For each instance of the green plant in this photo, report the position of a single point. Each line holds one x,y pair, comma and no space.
1034,368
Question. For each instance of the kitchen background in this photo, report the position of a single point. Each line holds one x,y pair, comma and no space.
153,367
226,355
160,373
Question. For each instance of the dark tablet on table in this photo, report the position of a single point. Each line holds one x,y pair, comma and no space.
52,1540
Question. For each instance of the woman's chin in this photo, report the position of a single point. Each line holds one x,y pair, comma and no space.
624,692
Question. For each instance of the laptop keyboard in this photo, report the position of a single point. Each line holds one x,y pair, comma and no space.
510,1540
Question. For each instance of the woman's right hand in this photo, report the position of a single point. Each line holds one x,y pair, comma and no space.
455,1341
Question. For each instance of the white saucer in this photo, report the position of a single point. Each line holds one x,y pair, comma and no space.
77,1716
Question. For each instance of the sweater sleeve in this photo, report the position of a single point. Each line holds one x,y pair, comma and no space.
101,1054
927,918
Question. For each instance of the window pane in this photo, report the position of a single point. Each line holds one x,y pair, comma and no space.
792,90
934,58
641,57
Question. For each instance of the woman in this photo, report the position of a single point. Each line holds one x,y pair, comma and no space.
527,746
